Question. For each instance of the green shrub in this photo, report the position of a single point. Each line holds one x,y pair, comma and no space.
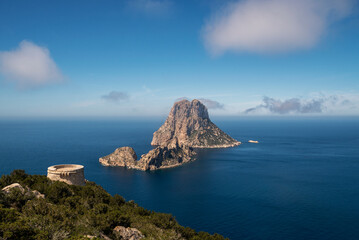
58,191
72,212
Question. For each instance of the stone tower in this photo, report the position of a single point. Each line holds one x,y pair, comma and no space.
69,173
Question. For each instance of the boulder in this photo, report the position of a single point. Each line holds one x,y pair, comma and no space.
37,194
13,186
24,190
124,233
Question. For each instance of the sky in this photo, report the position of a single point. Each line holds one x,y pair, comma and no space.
119,58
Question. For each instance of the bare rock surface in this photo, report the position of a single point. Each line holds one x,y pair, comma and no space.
37,194
127,233
24,190
13,186
122,157
190,124
170,155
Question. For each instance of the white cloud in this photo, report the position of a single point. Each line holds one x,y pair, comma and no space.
268,26
151,7
211,104
29,65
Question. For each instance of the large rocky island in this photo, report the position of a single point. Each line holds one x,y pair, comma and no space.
190,124
187,127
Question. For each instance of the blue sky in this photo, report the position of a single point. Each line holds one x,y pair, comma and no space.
135,58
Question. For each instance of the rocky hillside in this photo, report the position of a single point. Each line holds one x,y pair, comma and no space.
190,124
34,207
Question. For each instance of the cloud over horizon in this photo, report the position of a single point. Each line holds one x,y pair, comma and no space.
271,26
115,96
292,105
314,105
29,65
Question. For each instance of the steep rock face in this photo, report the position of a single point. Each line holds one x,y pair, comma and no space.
168,156
122,157
190,124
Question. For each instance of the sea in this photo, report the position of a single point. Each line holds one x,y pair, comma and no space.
300,182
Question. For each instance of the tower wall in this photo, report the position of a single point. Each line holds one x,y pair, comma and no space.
69,173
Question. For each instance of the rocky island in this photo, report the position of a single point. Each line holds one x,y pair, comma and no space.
187,127
189,122
166,156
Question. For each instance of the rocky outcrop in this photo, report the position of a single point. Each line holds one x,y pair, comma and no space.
190,124
187,127
12,187
121,157
37,194
127,233
24,190
166,156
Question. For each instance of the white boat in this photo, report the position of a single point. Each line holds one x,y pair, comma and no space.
253,141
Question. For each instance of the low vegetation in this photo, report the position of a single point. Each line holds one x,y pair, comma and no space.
74,212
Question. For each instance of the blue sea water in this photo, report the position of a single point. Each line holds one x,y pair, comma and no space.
300,182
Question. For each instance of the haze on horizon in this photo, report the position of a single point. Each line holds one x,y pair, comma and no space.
136,57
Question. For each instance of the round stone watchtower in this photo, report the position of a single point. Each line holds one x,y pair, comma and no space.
69,173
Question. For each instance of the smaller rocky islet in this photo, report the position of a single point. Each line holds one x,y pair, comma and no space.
186,128
166,156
